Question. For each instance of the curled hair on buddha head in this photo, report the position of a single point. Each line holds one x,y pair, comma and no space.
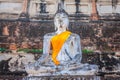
61,11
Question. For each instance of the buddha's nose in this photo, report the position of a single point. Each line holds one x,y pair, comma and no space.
60,20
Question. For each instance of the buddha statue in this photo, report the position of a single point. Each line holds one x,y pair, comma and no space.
5,31
61,50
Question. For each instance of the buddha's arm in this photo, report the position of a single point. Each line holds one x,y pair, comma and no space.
46,49
77,49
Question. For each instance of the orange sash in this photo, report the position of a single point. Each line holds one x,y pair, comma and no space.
57,42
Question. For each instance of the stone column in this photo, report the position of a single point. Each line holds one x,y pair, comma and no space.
77,5
94,14
24,13
43,6
114,5
24,9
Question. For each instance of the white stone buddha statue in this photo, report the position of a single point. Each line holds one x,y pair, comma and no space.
61,50
67,42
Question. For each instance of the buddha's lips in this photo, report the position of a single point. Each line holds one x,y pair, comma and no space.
60,26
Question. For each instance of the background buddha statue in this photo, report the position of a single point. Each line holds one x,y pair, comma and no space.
5,31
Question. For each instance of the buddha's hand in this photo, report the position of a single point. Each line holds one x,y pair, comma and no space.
72,62
43,58
38,62
75,59
68,63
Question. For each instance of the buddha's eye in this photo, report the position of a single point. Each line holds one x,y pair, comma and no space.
63,16
57,17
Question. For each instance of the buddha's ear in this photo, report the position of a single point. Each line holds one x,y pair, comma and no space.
56,25
56,28
67,28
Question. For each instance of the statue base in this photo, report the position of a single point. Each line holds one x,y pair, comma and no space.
64,77
71,70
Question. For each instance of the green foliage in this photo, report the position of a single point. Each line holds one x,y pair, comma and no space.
2,49
31,50
86,51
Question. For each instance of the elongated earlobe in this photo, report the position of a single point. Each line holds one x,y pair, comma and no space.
56,28
67,28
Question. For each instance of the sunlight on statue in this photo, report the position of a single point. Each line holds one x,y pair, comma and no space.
61,51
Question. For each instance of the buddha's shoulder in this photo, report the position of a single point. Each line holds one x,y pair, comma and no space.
74,35
49,35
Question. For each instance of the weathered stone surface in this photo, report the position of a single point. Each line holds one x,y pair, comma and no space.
15,62
33,8
97,35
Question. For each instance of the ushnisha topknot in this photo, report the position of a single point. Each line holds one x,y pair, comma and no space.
61,9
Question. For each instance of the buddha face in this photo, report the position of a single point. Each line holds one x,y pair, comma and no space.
61,21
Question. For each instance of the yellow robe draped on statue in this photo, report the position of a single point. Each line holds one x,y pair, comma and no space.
57,42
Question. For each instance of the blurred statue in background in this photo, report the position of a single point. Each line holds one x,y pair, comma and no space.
5,31
61,51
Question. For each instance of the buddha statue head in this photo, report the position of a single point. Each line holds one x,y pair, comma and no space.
61,20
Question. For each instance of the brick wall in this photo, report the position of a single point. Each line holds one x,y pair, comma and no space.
99,35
